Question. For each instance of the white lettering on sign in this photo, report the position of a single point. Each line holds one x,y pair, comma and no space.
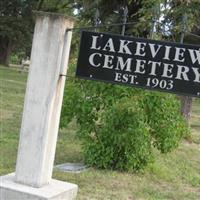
197,74
167,72
163,84
142,65
125,78
182,72
91,59
109,46
94,43
140,49
195,55
108,62
121,65
179,55
167,51
123,47
154,51
154,65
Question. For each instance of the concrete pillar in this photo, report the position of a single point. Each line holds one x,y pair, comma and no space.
42,107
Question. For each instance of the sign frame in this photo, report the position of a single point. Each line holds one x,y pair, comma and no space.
134,39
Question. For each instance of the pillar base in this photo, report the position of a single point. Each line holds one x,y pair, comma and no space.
55,190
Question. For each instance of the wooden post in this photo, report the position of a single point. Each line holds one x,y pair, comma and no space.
42,107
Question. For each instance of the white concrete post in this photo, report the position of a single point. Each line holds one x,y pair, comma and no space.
43,100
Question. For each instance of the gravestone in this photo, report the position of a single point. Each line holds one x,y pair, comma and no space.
71,167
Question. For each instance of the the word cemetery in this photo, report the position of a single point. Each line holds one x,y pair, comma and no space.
140,62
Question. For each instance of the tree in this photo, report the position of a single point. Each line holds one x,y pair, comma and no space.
184,17
16,26
111,11
16,23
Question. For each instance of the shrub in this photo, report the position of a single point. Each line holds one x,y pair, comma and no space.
167,125
122,140
119,125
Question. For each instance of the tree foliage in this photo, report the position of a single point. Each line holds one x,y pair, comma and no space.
16,26
175,13
111,11
16,23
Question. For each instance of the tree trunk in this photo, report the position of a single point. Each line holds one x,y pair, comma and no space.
186,107
5,50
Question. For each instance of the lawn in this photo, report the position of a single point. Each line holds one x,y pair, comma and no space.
172,176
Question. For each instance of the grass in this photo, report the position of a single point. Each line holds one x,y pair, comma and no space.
173,176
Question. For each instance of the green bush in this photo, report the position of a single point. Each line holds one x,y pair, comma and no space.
14,59
119,126
167,125
122,140
17,57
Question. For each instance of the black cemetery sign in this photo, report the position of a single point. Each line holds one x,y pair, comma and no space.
139,62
